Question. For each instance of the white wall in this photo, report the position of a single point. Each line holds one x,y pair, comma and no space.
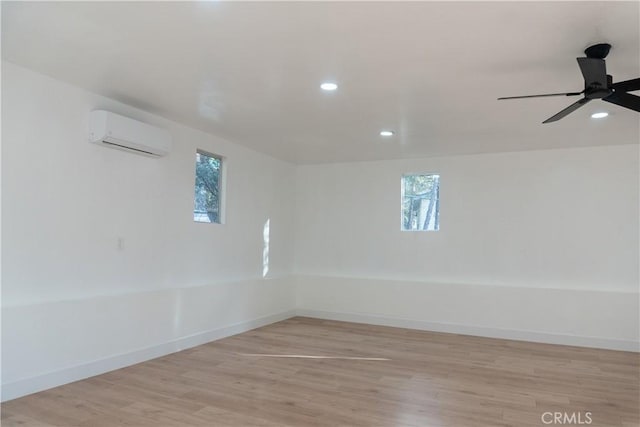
70,298
536,245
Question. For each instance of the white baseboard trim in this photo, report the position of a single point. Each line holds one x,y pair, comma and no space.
481,331
49,380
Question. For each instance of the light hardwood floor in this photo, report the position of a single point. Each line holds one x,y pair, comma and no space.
365,376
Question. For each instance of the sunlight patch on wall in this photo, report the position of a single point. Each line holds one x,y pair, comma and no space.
265,248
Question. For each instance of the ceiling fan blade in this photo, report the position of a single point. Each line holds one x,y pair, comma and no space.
540,96
594,71
570,109
627,85
624,99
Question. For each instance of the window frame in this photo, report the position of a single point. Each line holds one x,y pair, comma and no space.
222,178
437,201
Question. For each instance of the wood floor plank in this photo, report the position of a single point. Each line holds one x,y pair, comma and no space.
310,372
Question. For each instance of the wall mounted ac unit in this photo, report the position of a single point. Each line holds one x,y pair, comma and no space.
123,133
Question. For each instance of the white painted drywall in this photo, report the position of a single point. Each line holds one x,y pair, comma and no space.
541,241
603,319
70,296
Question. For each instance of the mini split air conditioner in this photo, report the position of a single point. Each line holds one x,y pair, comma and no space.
123,133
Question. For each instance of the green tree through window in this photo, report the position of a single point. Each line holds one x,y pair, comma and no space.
421,202
207,188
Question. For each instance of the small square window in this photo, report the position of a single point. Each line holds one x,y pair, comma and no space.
420,202
207,188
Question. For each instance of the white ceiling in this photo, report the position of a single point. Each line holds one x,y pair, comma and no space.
250,72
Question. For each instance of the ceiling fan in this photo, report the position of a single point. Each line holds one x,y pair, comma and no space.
597,85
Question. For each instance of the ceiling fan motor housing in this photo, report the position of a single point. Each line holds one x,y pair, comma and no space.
596,91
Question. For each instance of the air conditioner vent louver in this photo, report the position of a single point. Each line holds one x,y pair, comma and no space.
127,148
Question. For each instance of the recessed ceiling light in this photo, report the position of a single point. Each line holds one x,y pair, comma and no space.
328,86
599,115
387,133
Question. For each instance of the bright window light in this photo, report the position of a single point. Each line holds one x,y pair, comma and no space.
207,188
420,203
